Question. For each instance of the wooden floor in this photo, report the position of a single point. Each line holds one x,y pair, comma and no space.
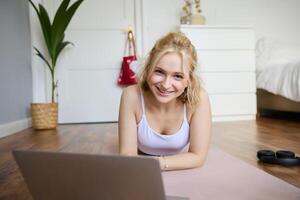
241,139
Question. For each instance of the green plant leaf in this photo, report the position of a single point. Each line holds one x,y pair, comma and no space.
61,24
60,12
56,50
35,8
43,58
45,24
46,27
60,47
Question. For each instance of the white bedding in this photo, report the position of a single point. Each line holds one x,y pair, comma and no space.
278,68
281,79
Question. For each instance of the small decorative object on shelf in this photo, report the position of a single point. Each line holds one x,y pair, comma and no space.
197,18
192,13
187,12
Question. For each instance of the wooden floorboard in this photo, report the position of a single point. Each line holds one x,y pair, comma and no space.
244,138
241,139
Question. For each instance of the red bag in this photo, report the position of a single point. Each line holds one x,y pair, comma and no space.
127,76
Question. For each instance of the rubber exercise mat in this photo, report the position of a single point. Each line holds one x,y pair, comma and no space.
226,177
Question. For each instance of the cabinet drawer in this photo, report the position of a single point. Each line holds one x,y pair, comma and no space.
212,38
220,83
225,60
233,104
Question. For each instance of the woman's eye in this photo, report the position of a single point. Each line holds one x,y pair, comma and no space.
158,71
178,77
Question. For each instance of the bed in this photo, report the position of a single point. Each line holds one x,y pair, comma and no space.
277,76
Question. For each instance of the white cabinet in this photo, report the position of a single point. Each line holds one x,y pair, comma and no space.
226,69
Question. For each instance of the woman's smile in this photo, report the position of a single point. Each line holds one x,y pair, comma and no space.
163,92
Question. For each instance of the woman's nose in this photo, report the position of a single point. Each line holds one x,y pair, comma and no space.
166,83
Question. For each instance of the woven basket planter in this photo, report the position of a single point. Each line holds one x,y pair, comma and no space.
44,115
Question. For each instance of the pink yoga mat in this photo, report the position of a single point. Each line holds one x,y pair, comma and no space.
222,177
226,177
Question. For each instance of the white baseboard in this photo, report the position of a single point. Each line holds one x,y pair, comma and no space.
13,127
233,118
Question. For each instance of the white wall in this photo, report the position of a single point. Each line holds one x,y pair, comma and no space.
272,18
158,18
278,19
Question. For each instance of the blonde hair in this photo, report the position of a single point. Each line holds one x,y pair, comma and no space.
175,42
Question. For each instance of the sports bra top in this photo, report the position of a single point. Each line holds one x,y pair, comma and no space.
153,143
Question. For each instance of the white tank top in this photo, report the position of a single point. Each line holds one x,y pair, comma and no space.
153,143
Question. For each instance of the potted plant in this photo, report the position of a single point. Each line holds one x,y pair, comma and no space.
45,115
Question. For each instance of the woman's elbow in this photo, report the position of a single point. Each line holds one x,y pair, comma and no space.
199,161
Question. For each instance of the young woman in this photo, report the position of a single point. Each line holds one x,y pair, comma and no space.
167,115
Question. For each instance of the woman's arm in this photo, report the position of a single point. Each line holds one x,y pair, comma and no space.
127,126
200,134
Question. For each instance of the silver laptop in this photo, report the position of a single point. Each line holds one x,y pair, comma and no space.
71,176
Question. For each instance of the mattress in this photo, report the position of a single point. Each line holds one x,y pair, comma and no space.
278,68
281,79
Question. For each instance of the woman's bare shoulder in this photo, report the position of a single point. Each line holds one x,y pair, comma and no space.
131,98
204,101
203,97
131,95
131,91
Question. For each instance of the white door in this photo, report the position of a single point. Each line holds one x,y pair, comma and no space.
88,71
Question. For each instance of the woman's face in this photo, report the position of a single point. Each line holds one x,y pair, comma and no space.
169,78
